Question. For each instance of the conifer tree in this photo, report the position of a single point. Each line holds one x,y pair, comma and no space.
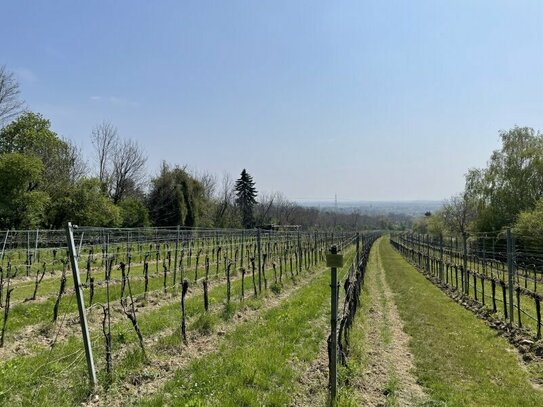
246,198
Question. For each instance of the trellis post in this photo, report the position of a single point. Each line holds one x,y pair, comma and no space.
80,304
510,278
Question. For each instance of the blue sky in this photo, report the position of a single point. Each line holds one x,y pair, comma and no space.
372,100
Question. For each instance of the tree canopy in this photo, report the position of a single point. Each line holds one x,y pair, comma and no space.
176,198
512,182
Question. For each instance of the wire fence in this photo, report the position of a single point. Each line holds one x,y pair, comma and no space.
501,273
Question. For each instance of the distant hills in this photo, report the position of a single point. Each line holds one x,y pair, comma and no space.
410,208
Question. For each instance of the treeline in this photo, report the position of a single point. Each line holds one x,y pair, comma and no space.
46,181
508,192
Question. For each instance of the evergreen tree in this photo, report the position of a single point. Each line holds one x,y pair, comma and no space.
246,198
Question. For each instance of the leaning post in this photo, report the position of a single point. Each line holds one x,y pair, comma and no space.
80,304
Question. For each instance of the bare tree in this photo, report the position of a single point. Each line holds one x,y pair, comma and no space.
458,213
105,141
226,212
128,168
209,183
10,103
283,209
77,164
264,208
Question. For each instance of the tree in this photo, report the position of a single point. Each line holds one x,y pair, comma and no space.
30,134
104,140
458,214
176,198
21,205
128,169
512,181
78,165
226,213
121,163
134,213
246,198
10,104
263,212
85,204
529,225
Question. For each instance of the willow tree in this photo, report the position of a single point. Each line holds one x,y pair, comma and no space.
176,198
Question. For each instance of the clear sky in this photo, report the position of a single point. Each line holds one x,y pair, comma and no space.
372,100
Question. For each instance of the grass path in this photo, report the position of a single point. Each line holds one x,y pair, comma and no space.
380,370
459,360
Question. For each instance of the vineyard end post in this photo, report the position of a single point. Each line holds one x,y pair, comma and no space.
81,304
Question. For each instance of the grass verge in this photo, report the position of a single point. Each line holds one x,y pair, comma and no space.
459,360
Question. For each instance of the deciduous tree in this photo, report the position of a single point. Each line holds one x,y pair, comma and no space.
10,103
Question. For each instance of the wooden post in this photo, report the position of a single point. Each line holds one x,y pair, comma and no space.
241,249
4,246
175,257
357,249
333,261
299,252
81,305
510,277
441,265
465,263
259,260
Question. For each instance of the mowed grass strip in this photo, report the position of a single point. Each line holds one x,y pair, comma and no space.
260,362
458,358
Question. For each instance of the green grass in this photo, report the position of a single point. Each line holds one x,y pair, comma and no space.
459,359
258,363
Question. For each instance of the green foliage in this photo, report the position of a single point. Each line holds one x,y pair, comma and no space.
176,198
246,198
30,134
432,224
134,213
33,208
205,323
511,183
275,288
529,223
85,204
20,204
